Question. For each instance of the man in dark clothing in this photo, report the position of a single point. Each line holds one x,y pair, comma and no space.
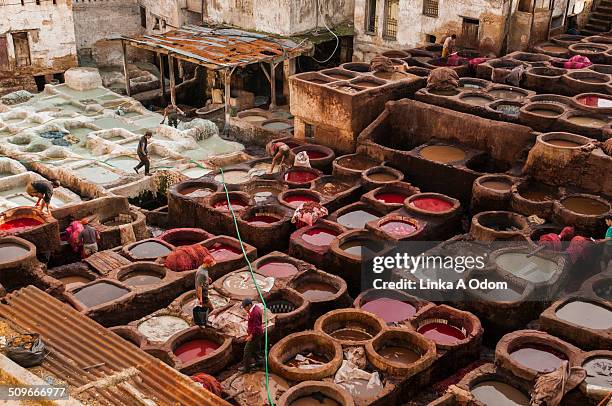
255,333
143,153
43,190
89,238
172,113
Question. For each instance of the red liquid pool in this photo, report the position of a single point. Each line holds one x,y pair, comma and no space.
398,228
223,252
442,333
319,236
390,310
391,198
297,199
300,176
16,225
237,204
195,349
315,154
432,204
277,269
262,220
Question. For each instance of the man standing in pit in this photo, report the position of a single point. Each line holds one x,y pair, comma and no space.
254,335
143,153
89,238
172,112
43,190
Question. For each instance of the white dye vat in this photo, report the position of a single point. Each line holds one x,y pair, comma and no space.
96,174
161,328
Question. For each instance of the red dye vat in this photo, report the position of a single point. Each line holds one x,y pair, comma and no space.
262,219
20,224
595,101
300,176
319,236
442,333
277,269
391,198
315,154
390,310
223,252
431,204
195,349
237,204
398,228
297,199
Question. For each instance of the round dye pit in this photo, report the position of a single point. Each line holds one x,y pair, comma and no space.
224,252
534,269
312,358
195,349
400,355
391,197
10,251
72,281
296,199
99,293
351,334
233,177
262,219
390,310
536,195
595,101
361,247
442,333
241,283
20,224
431,204
499,185
161,328
382,177
314,154
297,176
319,236
149,249
496,393
545,112
141,278
598,372
442,153
196,191
584,205
398,228
237,203
277,269
357,162
277,126
316,291
356,219
585,314
586,121
476,100
315,399
564,143
538,357
507,94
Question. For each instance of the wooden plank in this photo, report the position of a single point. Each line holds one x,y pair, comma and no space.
106,261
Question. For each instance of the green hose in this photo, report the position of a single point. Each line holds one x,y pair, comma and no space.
229,205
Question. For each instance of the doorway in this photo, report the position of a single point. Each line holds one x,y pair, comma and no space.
22,48
469,33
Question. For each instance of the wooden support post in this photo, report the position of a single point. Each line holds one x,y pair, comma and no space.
172,84
125,69
162,79
272,86
288,70
228,88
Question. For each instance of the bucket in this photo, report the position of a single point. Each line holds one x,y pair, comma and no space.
200,316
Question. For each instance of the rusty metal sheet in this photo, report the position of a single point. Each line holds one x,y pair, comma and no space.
220,47
96,363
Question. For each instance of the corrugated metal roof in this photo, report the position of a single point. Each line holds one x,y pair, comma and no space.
219,47
122,374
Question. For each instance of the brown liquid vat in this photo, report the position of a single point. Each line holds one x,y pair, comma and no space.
492,192
150,249
350,327
307,342
585,81
16,253
144,275
353,164
323,290
530,197
598,286
498,225
540,116
305,390
567,39
587,213
595,52
263,192
380,176
100,296
551,49
110,228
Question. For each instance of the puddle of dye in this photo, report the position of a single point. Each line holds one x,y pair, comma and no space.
10,251
99,293
195,172
236,202
534,269
96,174
351,334
360,163
382,177
17,225
314,154
584,205
277,269
401,355
297,176
277,126
314,400
319,236
506,94
316,291
233,177
141,279
195,349
476,100
598,372
161,328
149,249
196,191
495,393
391,197
595,101
442,153
586,121
390,310
398,228
500,185
585,314
262,220
253,118
442,333
432,204
540,358
224,252
536,195
73,281
545,112
356,219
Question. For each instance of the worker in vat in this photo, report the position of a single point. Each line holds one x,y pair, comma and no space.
202,282
88,238
43,190
143,153
280,152
255,334
449,46
172,113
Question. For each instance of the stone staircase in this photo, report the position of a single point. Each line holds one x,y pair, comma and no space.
600,19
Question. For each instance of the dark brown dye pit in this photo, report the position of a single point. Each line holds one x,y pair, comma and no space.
442,153
10,251
564,143
506,94
382,177
545,112
149,249
351,334
502,186
141,279
99,293
400,355
316,291
360,163
537,195
541,358
584,205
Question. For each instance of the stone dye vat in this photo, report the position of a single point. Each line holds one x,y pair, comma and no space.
491,385
293,198
320,157
355,215
598,383
158,328
312,243
390,197
239,284
353,165
392,306
324,291
184,236
264,192
492,192
197,349
298,177
291,309
98,293
280,266
350,327
587,213
498,225
31,224
379,176
396,227
147,250
316,392
529,197
17,259
266,227
337,191
228,254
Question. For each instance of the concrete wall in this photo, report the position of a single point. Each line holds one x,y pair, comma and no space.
171,13
50,30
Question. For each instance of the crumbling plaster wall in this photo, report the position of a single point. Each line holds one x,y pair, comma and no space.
51,38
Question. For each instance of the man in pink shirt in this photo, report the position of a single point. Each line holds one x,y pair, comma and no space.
255,333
